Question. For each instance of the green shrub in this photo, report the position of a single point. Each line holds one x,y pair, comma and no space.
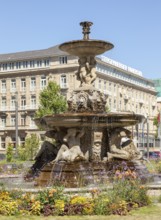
29,149
159,167
101,204
22,153
9,153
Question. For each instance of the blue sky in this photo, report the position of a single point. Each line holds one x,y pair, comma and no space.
133,26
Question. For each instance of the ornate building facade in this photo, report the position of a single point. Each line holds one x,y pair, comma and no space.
24,75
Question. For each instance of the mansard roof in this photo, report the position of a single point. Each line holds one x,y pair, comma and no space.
49,52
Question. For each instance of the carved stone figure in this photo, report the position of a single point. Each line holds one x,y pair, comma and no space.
70,154
82,70
46,154
71,150
122,146
87,70
96,148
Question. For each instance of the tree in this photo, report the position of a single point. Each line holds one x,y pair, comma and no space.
9,153
156,122
31,146
51,101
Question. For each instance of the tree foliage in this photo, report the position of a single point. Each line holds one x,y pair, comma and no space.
156,123
9,153
29,149
51,101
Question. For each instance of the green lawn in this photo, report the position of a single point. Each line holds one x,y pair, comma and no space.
152,212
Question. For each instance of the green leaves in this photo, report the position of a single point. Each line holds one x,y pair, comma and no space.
51,101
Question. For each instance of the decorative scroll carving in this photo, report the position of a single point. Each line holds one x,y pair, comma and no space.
87,101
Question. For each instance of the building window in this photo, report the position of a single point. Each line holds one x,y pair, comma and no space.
23,102
3,88
125,105
3,142
46,62
13,85
4,66
114,104
33,101
136,109
43,82
33,84
23,120
32,122
63,81
32,63
25,64
23,84
13,103
22,141
13,120
110,103
120,105
114,88
99,84
63,60
105,85
18,65
3,121
13,142
11,66
3,103
110,87
39,63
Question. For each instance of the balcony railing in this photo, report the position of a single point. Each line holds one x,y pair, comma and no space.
64,86
20,108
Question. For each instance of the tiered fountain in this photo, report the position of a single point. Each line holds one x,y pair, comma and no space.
90,137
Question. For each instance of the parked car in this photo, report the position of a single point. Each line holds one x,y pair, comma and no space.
154,154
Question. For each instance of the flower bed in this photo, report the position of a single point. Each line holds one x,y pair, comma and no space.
127,194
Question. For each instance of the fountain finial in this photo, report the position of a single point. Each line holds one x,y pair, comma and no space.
86,29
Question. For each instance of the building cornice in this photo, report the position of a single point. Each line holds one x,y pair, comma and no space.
35,54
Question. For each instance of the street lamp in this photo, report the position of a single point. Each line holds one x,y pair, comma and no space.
147,136
16,123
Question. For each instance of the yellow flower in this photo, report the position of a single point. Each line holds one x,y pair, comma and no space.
120,176
93,191
88,208
4,195
59,205
79,200
51,192
35,208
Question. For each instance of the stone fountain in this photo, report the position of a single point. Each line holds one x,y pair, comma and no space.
87,138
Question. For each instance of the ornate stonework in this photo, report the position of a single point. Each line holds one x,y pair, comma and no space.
87,70
89,100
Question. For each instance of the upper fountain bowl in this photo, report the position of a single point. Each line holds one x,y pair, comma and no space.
83,48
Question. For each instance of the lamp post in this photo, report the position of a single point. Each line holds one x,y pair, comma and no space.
159,128
16,123
147,136
143,137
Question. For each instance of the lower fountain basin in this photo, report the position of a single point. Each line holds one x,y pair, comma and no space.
86,174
